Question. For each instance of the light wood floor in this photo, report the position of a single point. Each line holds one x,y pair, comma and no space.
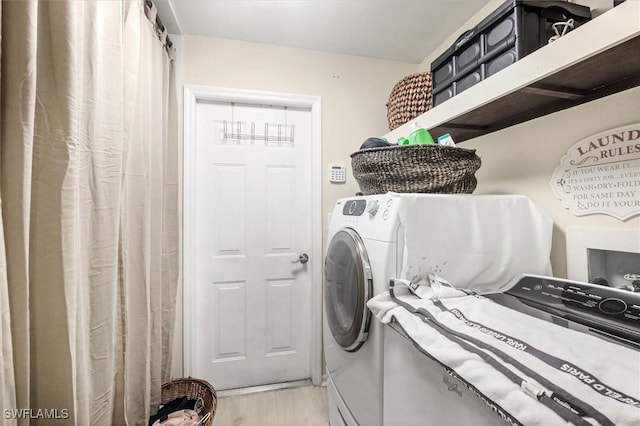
304,406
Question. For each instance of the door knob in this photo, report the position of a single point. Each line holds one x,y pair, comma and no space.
304,258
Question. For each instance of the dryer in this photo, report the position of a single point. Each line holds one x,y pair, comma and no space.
362,255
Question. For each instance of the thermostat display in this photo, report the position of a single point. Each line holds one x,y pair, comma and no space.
337,174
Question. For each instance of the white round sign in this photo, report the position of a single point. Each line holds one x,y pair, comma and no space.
601,174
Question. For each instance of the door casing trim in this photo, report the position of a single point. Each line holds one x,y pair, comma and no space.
193,94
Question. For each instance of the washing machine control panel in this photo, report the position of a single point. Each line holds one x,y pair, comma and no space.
596,301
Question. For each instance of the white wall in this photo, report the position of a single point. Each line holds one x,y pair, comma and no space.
354,90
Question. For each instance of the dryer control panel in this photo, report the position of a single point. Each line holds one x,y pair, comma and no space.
372,206
374,217
594,305
354,207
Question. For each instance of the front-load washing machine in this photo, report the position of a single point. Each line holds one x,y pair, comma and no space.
362,255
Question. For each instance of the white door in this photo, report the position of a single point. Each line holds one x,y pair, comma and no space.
252,319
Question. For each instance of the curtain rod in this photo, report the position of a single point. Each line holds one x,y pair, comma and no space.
159,23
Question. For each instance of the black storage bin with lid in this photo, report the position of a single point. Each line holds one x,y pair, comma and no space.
514,30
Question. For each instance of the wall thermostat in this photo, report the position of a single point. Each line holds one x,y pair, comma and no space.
337,174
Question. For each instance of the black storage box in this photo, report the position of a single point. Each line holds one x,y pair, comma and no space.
515,29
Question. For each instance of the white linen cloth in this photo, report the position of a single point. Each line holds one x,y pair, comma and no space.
480,242
610,382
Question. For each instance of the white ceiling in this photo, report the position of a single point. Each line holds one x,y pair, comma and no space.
398,30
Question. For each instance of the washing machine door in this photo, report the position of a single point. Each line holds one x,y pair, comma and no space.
347,288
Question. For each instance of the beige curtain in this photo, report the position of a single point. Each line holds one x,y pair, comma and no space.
89,223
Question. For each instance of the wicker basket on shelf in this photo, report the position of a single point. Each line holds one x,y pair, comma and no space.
416,168
409,98
192,389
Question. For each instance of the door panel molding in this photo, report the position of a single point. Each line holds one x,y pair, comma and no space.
193,94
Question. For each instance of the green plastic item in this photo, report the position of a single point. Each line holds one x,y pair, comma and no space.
420,136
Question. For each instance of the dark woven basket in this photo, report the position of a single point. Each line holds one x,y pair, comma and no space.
416,168
409,98
192,389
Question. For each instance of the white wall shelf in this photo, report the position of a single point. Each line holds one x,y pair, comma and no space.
597,59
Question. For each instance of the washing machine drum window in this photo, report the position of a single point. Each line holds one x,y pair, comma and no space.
347,288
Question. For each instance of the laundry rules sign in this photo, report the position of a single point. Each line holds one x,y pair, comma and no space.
601,174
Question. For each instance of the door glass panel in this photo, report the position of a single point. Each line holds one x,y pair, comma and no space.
345,295
343,287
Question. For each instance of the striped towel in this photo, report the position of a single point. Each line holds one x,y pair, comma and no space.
535,372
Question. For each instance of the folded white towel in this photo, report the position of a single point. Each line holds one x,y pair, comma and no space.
511,357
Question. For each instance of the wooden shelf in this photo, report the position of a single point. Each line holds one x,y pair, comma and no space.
597,59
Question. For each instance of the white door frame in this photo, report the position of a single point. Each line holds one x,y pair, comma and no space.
193,94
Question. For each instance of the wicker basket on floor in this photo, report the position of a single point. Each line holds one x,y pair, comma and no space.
192,389
416,168
409,98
